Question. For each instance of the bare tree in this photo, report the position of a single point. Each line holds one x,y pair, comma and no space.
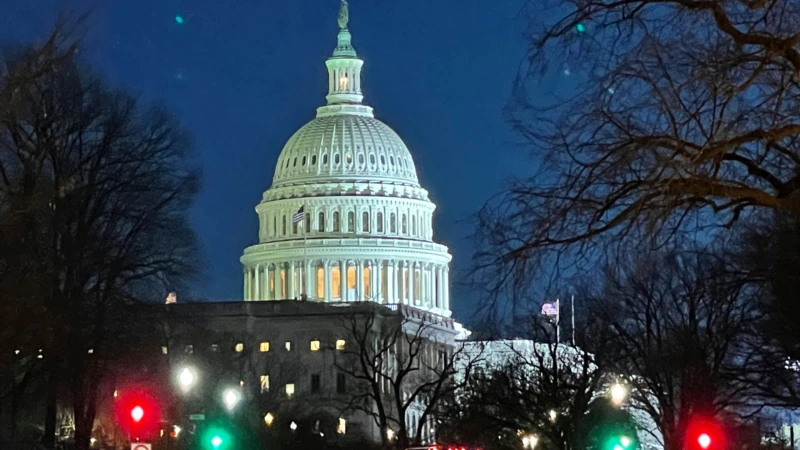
398,365
683,117
543,388
102,187
679,325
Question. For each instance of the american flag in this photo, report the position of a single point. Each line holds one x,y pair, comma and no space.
550,309
299,215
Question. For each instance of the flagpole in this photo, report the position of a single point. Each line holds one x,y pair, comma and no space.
572,305
558,321
305,254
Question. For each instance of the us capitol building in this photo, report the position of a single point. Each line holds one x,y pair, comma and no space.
345,240
365,230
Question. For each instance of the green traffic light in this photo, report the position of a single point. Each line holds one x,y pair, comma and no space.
216,441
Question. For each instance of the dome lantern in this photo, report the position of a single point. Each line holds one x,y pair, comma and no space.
344,67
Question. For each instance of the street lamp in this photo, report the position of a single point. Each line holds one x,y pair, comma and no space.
618,394
231,398
187,379
389,434
529,441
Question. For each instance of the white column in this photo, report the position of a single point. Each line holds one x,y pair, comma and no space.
431,285
258,283
446,283
375,284
360,281
290,281
390,276
327,288
244,285
412,283
309,280
401,280
439,286
276,277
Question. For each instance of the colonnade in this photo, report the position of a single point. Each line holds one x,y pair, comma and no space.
415,283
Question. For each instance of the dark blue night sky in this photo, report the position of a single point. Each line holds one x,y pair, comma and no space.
243,75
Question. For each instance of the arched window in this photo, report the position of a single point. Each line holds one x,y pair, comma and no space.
304,161
295,162
379,222
351,222
336,282
348,158
383,160
365,222
325,159
372,159
405,224
313,159
274,225
321,222
336,223
336,158
413,225
294,227
284,226
392,223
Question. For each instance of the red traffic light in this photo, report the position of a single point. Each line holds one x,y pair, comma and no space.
704,440
137,413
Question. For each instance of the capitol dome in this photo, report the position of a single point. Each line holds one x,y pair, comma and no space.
345,218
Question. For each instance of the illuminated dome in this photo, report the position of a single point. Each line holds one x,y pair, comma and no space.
346,218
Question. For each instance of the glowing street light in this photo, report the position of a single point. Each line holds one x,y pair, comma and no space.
553,414
618,394
529,441
293,426
231,398
389,434
187,379
268,419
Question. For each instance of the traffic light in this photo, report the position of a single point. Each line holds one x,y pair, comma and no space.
137,412
620,442
704,434
216,438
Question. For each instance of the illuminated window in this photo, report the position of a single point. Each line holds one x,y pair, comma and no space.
288,346
340,343
392,223
336,223
289,389
314,345
405,224
351,277
348,158
321,222
336,283
379,222
366,275
341,427
164,350
320,282
239,347
343,83
351,222
264,383
365,222
264,346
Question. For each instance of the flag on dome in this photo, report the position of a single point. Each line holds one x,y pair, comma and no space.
299,215
550,309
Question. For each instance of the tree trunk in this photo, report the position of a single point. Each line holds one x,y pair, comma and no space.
49,436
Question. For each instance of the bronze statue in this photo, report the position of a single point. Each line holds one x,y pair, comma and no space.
344,15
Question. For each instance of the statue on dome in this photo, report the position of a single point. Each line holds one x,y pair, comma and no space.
344,15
